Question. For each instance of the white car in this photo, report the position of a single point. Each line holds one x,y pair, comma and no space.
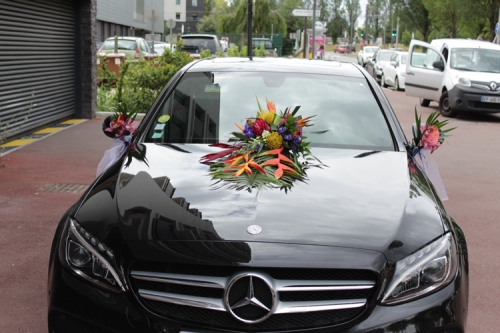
161,46
459,74
393,73
365,53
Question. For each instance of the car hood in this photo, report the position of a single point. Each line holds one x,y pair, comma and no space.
359,199
474,76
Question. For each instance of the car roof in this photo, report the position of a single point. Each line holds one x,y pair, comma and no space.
125,37
464,43
199,35
268,64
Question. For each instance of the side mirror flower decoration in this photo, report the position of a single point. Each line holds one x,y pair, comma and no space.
430,135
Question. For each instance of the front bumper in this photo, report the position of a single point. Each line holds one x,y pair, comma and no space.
76,306
469,99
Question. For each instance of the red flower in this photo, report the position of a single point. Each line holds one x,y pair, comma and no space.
259,126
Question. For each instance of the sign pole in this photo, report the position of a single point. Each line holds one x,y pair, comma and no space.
306,40
314,31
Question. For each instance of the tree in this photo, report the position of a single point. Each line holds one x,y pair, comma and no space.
338,22
265,20
353,10
415,13
489,9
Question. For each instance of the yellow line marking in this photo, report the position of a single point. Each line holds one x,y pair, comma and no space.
73,121
49,130
16,143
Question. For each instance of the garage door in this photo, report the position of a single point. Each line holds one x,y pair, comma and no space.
37,63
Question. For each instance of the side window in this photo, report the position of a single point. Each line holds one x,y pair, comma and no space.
190,114
423,57
445,53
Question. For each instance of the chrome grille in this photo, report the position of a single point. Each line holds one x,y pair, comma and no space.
305,298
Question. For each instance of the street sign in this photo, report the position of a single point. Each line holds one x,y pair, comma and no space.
305,12
496,28
170,24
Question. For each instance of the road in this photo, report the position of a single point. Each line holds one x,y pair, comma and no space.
468,163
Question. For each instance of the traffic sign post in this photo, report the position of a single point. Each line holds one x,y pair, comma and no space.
304,12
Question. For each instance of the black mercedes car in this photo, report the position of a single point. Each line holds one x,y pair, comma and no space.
264,195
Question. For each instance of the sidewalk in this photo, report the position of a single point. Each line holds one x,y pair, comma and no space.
38,183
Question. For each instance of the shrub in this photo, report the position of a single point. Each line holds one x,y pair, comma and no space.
140,83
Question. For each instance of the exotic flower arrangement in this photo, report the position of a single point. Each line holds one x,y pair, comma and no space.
270,151
430,135
121,124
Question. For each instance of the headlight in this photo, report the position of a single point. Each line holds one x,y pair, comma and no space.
464,82
423,272
89,258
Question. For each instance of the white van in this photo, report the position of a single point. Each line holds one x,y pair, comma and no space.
459,74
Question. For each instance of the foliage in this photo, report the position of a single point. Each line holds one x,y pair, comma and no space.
260,51
103,74
265,19
142,82
205,53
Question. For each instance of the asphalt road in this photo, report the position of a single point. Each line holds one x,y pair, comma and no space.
468,163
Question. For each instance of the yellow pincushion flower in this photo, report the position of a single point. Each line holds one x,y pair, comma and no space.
274,140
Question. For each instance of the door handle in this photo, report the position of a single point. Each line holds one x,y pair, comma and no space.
410,73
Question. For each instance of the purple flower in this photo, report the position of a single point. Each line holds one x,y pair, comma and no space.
281,130
248,131
287,137
297,140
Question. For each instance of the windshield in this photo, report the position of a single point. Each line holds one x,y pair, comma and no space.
122,45
475,59
403,59
205,107
200,43
370,49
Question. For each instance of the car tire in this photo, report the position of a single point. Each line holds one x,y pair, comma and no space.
444,106
396,83
382,81
424,102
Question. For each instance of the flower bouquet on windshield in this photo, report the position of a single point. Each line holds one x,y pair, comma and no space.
270,151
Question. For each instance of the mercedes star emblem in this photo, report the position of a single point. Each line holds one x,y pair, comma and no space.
250,298
493,86
254,230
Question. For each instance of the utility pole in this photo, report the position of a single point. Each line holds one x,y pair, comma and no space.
397,34
249,29
314,30
366,24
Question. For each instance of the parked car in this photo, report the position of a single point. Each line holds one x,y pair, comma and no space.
376,63
366,53
270,49
342,48
185,233
394,72
134,48
159,47
459,74
196,43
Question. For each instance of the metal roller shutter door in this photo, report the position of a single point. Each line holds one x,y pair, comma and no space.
37,56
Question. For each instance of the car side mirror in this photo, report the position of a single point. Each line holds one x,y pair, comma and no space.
438,65
393,63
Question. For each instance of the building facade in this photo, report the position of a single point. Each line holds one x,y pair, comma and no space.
130,18
185,13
